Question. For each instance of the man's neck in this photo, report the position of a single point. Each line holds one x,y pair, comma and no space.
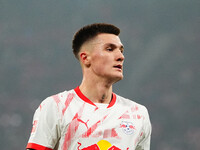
97,92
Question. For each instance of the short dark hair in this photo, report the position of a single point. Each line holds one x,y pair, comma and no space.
90,31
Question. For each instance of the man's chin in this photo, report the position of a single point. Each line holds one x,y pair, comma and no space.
115,78
118,78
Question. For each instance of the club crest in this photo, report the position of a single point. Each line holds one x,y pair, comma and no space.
127,127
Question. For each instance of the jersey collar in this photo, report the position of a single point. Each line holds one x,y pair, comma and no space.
84,98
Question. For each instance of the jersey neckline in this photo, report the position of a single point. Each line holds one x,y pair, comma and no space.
84,98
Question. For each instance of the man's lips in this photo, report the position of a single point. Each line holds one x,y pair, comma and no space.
118,66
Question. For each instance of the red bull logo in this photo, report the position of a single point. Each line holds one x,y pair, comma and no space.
102,145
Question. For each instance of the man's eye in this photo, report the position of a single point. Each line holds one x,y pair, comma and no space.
109,49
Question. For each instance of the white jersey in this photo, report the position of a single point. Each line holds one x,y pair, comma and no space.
70,121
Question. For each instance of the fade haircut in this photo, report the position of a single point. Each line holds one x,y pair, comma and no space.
90,31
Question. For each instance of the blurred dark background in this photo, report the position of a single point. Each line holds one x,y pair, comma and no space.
162,66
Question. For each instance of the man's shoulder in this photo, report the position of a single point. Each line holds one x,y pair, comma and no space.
60,97
130,103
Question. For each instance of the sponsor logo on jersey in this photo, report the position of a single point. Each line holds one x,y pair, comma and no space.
101,145
127,127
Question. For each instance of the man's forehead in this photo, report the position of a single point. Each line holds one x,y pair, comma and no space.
106,38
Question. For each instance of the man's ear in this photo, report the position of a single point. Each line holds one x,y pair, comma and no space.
85,58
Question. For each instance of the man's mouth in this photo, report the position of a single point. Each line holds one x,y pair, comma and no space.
118,66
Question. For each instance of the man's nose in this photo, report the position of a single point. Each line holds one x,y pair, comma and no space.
120,56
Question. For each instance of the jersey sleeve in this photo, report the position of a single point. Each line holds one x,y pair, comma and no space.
46,126
144,143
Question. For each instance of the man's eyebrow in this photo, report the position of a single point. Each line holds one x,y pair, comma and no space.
114,45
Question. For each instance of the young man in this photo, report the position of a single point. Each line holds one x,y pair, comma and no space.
91,116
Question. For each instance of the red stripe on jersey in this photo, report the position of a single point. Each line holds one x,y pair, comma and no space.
37,147
125,116
110,133
70,97
72,128
84,98
93,128
34,126
56,99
